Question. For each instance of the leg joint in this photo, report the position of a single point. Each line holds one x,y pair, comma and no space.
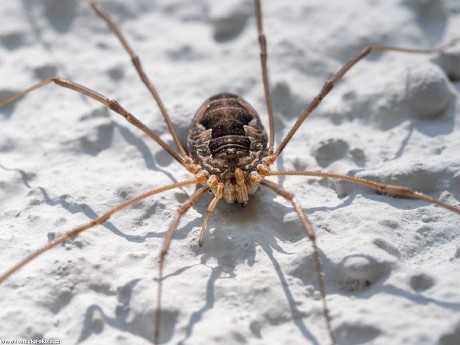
135,59
115,106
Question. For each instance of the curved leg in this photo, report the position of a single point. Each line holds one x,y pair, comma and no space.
110,103
164,250
308,227
328,86
385,188
73,233
140,71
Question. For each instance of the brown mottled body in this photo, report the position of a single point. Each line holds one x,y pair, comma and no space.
227,139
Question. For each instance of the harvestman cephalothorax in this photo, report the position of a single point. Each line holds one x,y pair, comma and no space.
229,154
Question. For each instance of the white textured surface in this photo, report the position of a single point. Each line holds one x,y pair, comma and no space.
64,159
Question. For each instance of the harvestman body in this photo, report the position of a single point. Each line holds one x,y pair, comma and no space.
228,140
230,154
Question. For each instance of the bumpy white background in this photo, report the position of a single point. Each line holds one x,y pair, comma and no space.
392,266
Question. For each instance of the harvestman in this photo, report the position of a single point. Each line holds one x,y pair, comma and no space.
229,153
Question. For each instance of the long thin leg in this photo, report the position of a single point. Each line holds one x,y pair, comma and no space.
73,233
164,250
308,227
339,75
137,64
110,103
211,207
385,188
263,61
